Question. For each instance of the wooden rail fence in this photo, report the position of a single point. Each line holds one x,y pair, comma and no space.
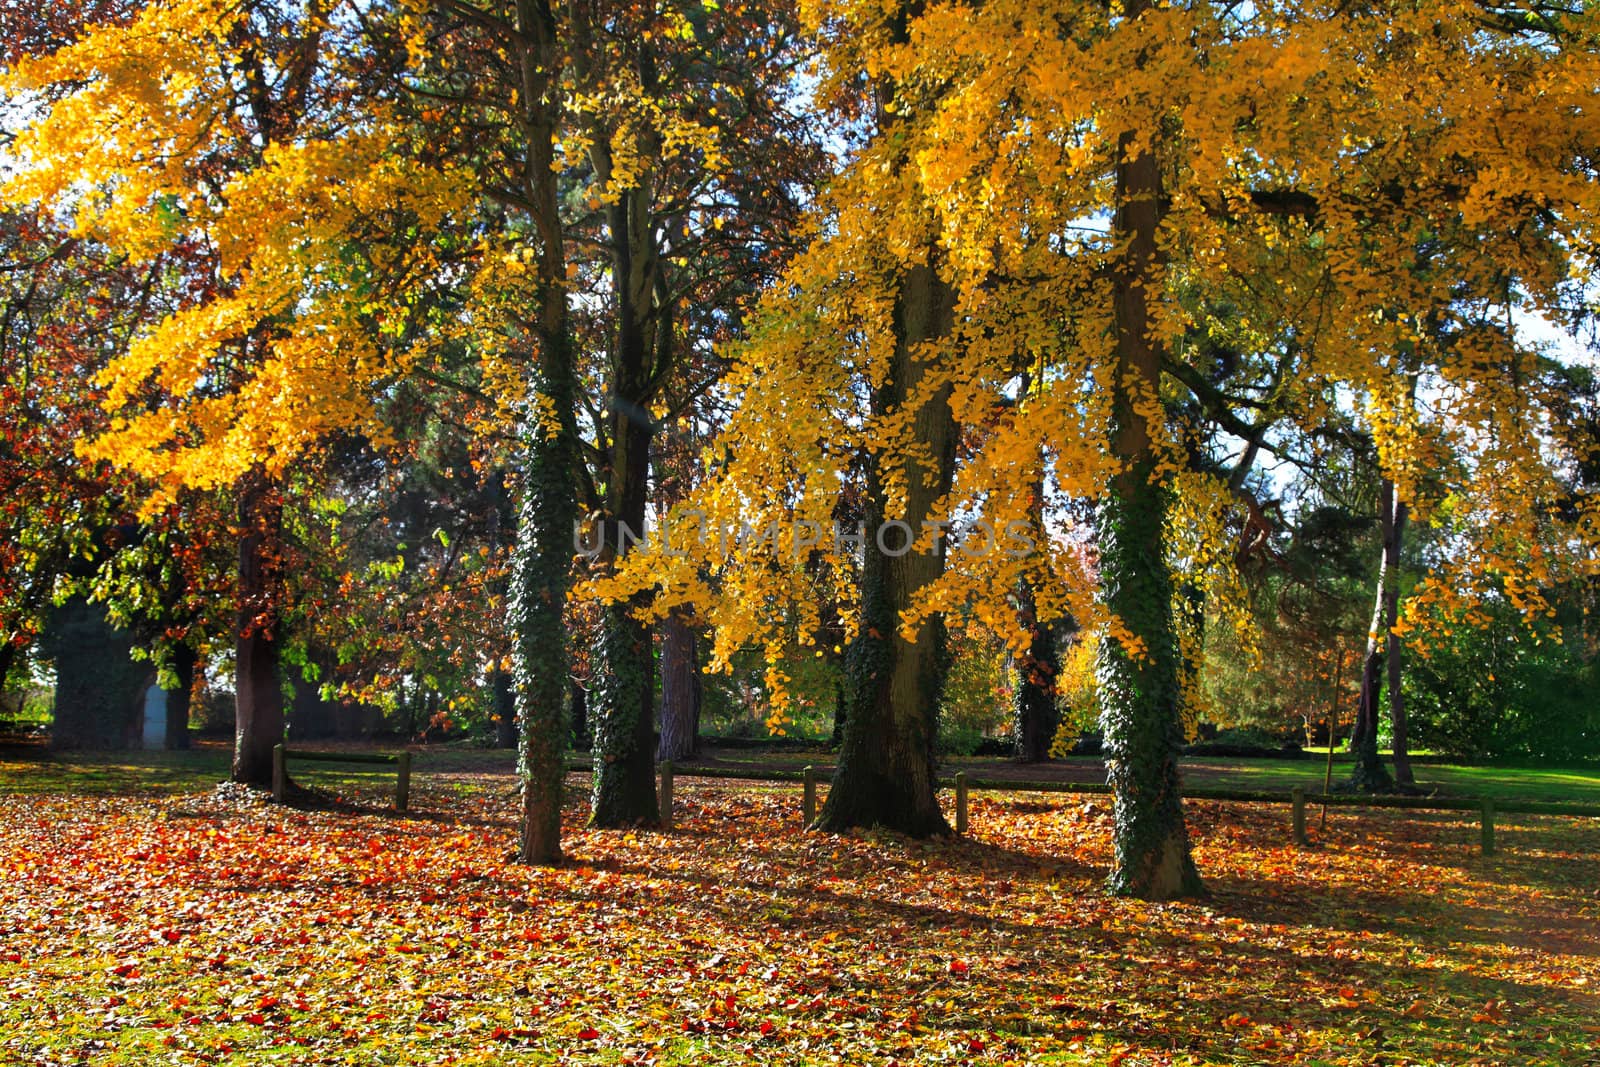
402,761
1298,798
964,785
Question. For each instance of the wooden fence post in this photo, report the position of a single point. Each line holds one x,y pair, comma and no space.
961,802
280,774
1488,826
1298,794
808,796
666,794
402,782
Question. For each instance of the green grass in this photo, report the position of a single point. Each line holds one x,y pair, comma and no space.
1274,775
1494,783
33,769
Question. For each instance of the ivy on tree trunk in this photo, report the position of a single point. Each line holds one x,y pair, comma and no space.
886,774
622,707
1139,692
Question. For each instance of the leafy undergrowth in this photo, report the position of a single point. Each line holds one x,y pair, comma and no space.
218,928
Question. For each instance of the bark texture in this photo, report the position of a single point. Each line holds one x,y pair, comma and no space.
1369,775
1394,528
680,689
258,687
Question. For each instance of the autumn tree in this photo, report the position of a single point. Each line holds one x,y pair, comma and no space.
235,153
1093,170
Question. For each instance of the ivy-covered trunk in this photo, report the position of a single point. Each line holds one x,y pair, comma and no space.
258,684
99,687
1369,775
886,774
680,688
1139,691
622,691
541,559
623,722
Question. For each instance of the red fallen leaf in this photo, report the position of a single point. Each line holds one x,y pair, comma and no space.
268,1001
767,1028
13,957
499,1033
255,1018
958,967
171,936
975,1045
125,970
588,1033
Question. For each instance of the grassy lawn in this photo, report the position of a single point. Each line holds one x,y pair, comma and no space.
1497,783
186,926
31,768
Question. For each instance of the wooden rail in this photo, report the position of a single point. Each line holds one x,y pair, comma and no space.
402,761
1298,798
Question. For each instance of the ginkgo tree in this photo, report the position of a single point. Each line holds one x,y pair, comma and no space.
1075,175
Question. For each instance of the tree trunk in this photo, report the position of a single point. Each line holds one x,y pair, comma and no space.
582,739
886,773
8,656
1034,718
623,686
1140,695
310,716
184,663
1369,775
100,689
502,697
1399,734
535,604
841,709
505,709
257,685
680,689
542,557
